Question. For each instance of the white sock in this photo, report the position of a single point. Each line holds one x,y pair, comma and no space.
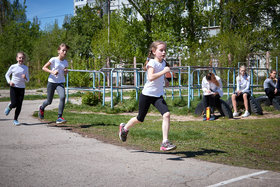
164,141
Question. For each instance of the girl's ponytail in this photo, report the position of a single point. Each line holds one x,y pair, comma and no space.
148,58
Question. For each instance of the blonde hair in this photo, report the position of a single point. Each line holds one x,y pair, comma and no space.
242,67
153,47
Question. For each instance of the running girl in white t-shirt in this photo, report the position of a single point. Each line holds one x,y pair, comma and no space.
57,67
20,75
152,94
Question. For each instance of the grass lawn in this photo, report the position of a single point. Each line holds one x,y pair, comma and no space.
252,143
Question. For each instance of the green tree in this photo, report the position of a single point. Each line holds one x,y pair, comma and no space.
82,28
17,34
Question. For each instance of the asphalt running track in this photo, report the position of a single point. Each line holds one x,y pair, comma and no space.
35,154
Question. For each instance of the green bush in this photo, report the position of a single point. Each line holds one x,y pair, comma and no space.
90,99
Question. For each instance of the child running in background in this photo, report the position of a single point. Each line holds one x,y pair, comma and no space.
58,69
20,75
242,92
212,91
152,93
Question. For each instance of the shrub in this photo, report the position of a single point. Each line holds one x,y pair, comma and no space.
90,99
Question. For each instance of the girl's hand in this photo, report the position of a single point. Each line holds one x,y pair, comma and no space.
208,91
65,71
11,83
23,76
55,72
166,69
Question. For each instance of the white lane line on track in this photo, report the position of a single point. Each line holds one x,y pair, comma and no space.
237,179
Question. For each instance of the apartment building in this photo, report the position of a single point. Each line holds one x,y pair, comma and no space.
114,4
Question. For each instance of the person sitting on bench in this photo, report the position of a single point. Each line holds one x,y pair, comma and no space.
212,91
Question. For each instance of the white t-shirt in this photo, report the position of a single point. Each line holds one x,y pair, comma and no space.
58,65
243,83
211,86
17,70
155,88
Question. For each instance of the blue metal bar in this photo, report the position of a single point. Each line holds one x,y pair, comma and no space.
111,81
252,81
179,83
67,88
137,84
172,95
257,72
228,84
198,82
121,86
117,83
189,87
233,79
93,89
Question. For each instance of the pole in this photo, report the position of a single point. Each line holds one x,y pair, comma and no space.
108,21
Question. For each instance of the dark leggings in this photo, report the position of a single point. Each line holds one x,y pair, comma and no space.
270,93
211,101
59,87
146,101
17,95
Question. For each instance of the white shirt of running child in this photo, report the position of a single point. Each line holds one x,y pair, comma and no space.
58,65
243,83
155,88
17,70
211,86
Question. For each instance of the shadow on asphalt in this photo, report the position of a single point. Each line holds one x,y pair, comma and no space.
5,119
42,123
188,154
97,124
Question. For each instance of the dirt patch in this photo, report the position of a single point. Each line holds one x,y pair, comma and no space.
266,115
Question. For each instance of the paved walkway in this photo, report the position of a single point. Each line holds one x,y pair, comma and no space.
34,154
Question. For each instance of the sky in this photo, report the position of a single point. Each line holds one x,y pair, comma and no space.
48,11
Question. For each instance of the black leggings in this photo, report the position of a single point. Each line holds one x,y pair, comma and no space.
211,101
270,93
146,101
17,95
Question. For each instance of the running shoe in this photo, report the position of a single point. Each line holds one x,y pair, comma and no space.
60,120
16,123
122,132
7,110
41,113
167,146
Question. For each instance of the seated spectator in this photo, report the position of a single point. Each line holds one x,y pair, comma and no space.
242,92
212,91
278,82
270,86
